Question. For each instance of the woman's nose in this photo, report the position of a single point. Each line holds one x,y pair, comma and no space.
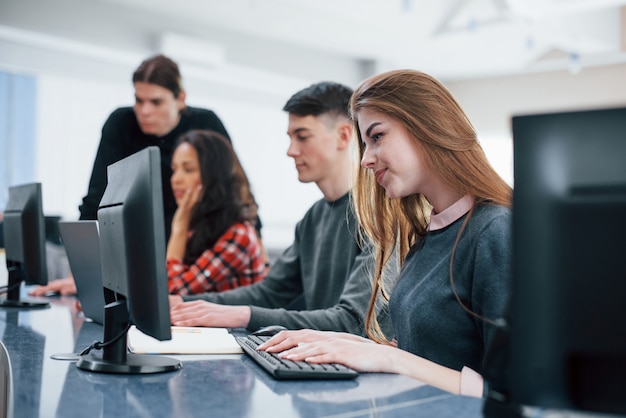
367,161
175,177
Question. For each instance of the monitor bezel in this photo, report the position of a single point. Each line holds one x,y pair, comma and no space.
24,230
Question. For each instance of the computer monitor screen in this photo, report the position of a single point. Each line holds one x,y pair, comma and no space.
25,243
568,315
132,253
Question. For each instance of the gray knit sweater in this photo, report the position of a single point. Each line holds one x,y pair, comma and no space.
426,316
324,274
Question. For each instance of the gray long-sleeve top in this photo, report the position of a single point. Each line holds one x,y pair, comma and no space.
324,274
427,318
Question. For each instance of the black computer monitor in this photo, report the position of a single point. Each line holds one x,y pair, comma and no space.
568,308
132,252
25,244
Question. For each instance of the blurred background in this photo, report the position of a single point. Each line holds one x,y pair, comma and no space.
66,64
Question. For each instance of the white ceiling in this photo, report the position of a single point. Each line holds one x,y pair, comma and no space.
295,40
453,39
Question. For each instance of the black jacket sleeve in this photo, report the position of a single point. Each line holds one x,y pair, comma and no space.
109,151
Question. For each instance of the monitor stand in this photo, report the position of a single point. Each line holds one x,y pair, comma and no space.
115,357
16,277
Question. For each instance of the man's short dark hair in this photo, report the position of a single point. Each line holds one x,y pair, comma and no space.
321,98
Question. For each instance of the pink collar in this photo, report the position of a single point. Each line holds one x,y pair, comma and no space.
450,214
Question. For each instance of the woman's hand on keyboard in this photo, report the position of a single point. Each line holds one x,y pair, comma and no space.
362,355
350,350
285,340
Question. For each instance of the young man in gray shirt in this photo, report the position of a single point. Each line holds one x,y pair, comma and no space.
321,280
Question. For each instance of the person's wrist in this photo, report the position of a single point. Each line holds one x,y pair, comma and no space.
179,230
240,316
393,363
175,300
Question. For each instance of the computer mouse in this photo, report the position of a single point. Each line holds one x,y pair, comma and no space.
269,330
52,293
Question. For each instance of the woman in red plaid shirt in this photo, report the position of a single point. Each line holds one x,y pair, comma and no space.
213,245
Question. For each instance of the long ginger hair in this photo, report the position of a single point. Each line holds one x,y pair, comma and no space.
440,128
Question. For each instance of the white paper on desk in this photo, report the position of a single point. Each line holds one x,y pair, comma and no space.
185,340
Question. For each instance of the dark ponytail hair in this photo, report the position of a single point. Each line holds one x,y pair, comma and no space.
162,71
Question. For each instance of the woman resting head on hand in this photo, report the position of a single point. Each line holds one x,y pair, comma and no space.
213,244
426,194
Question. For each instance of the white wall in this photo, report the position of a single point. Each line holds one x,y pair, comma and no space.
70,114
490,103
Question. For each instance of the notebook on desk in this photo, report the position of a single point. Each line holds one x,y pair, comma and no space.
185,340
82,245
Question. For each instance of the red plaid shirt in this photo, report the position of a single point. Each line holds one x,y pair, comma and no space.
235,260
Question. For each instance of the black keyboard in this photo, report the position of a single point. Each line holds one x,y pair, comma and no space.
287,369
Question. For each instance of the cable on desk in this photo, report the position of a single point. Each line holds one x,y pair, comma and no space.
6,289
100,345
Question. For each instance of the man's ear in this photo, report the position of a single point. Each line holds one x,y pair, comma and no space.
345,135
182,96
